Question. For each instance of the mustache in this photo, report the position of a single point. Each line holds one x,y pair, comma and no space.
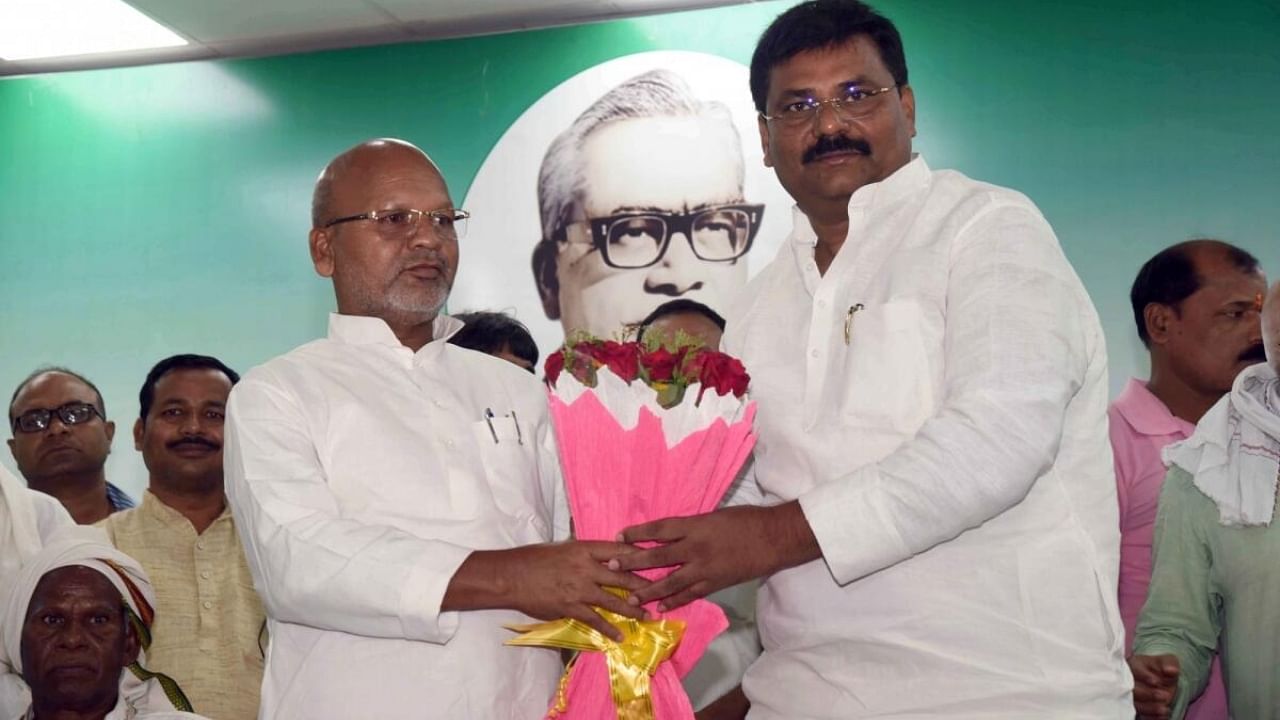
828,144
429,256
194,441
1257,353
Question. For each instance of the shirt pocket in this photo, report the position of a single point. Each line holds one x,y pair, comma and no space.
508,454
886,371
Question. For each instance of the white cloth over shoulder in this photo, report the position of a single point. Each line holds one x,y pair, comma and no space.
19,538
26,518
141,697
1234,454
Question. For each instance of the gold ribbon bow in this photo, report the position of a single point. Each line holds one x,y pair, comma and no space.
646,644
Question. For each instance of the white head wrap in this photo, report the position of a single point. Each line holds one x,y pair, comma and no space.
141,692
1234,454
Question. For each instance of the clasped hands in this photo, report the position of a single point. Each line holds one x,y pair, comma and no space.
1155,685
710,552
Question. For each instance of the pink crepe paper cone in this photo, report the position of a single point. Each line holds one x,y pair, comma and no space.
617,477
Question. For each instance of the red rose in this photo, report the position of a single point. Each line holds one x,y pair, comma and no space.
661,364
553,366
592,350
723,373
621,359
740,380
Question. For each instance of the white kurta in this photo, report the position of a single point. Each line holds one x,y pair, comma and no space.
951,457
361,475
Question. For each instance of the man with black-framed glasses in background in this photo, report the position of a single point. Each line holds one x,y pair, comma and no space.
641,201
61,440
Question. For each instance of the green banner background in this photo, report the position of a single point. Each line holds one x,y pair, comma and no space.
152,210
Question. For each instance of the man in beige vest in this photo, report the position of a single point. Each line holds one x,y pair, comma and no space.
209,619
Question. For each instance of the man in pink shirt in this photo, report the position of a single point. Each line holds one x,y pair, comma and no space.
1197,307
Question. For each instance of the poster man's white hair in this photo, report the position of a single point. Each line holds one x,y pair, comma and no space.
657,93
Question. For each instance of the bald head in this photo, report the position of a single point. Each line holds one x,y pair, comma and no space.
392,256
1271,327
354,164
82,446
41,373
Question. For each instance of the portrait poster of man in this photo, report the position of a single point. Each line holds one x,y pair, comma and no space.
632,183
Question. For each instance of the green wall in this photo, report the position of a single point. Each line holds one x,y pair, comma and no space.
147,211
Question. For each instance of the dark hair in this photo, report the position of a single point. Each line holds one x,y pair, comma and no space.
102,406
1171,277
818,25
679,306
490,332
147,394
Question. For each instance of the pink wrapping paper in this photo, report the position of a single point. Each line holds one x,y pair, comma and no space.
617,477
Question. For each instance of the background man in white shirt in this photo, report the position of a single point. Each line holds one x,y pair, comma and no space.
940,531
398,495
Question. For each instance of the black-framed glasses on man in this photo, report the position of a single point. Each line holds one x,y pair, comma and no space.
716,233
400,223
851,105
38,419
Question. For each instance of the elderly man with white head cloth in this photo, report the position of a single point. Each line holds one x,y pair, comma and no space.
75,623
1216,572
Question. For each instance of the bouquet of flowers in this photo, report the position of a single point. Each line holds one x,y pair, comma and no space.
645,431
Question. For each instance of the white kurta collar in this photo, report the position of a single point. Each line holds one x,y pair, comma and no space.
366,330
